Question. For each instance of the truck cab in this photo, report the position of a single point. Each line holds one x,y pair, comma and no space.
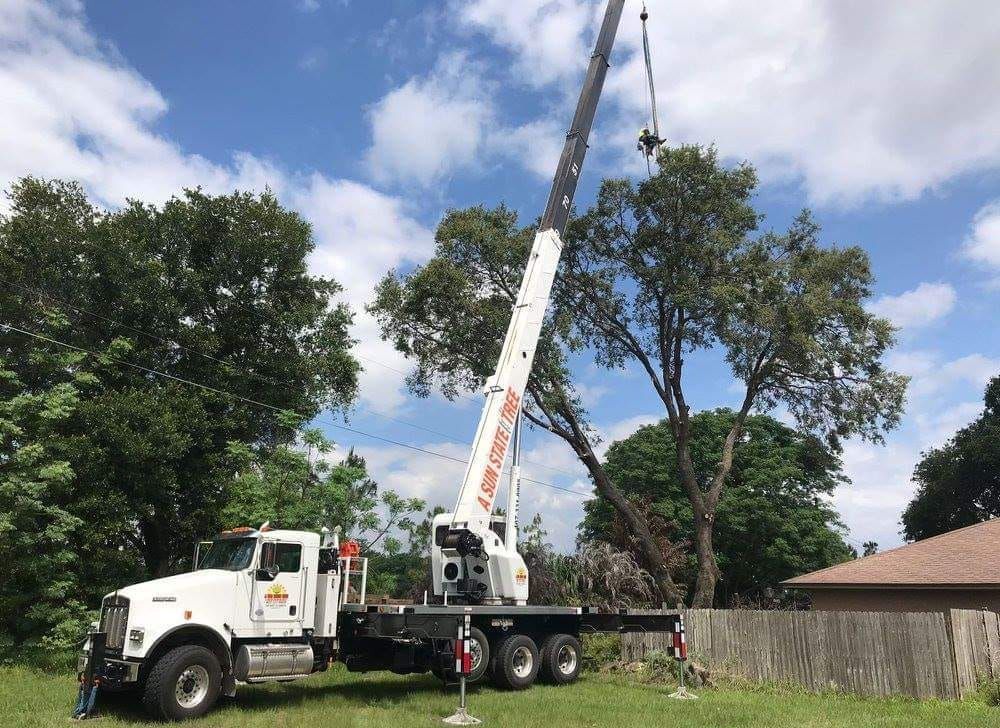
247,610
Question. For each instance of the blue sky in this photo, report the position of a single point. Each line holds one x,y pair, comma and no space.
372,118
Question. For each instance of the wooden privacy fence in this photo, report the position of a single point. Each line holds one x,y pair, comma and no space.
920,654
976,644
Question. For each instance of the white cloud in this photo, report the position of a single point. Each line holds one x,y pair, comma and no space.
932,376
615,431
73,109
983,243
361,234
880,489
414,474
937,426
925,304
546,36
430,127
444,122
537,145
857,100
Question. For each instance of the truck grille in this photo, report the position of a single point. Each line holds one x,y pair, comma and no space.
114,621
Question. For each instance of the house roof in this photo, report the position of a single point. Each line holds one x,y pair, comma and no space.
967,557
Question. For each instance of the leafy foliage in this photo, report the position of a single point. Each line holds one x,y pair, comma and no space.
598,574
449,317
958,484
206,289
657,273
296,486
774,522
39,586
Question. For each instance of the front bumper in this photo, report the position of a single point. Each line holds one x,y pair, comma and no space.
112,671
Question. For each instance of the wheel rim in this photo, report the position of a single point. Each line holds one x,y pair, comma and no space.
476,654
192,686
566,659
522,661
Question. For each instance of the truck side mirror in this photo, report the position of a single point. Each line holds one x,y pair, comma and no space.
268,568
267,573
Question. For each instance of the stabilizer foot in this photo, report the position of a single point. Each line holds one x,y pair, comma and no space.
461,717
682,694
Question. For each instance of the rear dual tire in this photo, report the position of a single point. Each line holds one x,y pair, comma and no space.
561,659
516,664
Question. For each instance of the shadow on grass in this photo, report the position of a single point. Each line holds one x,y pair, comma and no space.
271,696
360,692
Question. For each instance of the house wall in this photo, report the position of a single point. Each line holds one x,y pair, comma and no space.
903,600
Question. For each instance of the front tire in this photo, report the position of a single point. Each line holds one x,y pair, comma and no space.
184,683
516,664
561,658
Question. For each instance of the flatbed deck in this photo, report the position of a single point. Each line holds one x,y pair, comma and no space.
439,620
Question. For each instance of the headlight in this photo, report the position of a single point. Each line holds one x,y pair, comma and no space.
136,635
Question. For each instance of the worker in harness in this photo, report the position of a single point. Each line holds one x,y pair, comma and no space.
648,142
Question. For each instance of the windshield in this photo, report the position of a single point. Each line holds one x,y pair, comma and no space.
231,554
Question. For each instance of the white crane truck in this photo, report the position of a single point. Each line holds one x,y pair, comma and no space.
275,605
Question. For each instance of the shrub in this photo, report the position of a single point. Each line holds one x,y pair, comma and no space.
601,651
659,666
989,691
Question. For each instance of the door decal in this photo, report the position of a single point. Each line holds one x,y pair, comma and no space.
276,596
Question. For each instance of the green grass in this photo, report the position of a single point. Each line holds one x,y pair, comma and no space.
32,698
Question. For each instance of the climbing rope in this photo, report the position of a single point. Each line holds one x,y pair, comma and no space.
649,141
644,16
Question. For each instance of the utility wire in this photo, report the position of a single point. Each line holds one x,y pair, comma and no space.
257,403
243,372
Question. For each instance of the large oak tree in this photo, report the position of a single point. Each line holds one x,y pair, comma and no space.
450,315
650,275
207,289
672,268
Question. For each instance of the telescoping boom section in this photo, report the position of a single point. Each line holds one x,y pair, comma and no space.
505,389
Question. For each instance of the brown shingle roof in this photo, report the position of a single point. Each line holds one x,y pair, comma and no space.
968,556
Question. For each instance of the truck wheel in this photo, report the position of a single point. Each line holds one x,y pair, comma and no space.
561,659
479,646
184,683
515,666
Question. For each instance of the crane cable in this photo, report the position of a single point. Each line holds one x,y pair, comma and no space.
651,91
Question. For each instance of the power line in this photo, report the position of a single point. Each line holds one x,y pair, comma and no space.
172,342
254,402
229,365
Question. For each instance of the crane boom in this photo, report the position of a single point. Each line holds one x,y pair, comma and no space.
505,389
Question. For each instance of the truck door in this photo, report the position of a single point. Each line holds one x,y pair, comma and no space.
278,583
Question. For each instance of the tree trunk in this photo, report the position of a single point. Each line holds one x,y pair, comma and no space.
575,435
708,569
155,551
